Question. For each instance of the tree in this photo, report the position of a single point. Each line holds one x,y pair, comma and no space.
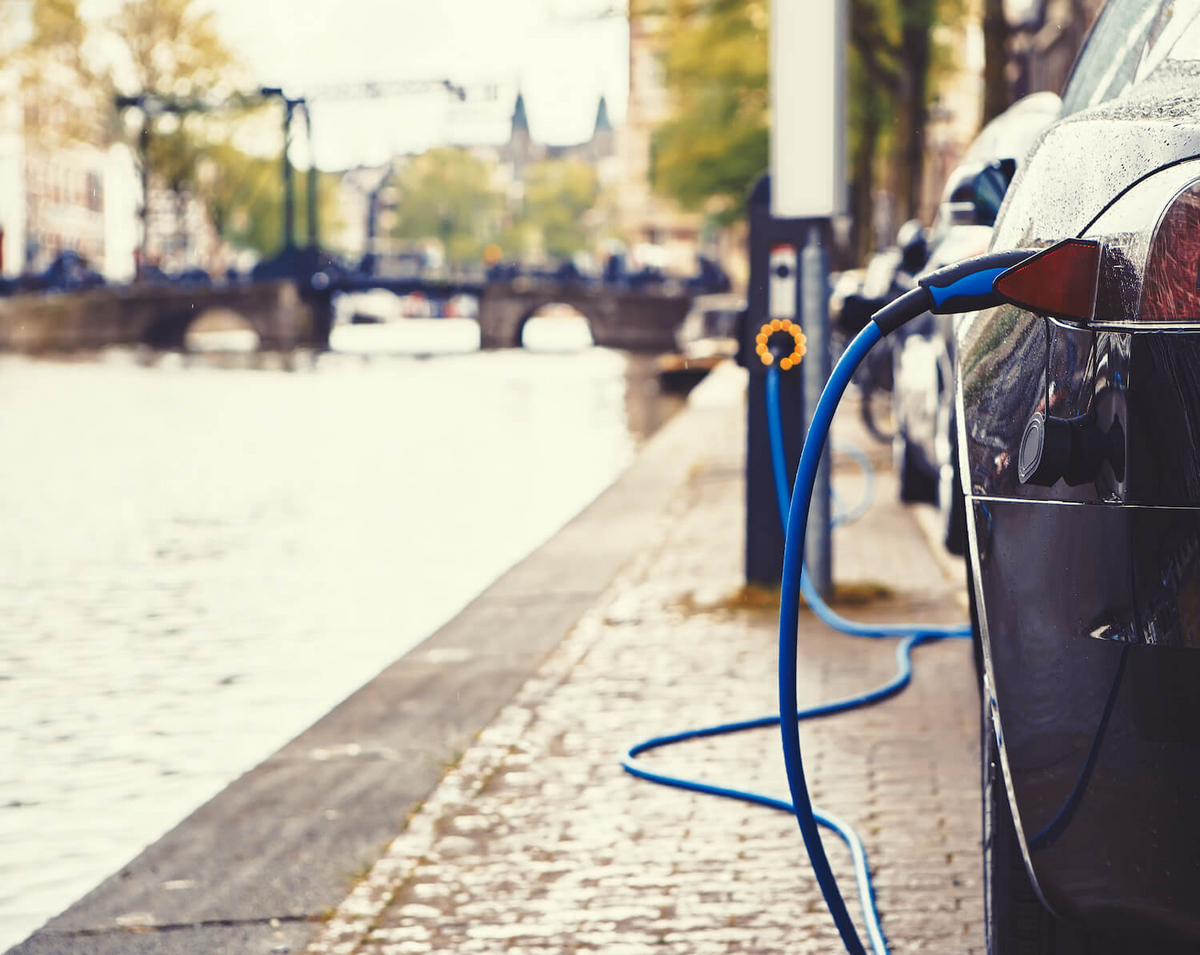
715,144
42,49
913,55
244,197
872,81
172,53
995,39
172,47
44,31
558,196
446,194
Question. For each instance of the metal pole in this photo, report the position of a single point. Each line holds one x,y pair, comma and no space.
312,180
289,197
816,368
144,244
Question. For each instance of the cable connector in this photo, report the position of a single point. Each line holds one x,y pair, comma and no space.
965,286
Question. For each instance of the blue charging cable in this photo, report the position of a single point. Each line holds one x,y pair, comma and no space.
794,514
789,612
808,815
964,286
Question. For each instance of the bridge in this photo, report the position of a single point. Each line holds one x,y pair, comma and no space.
629,319
157,316
288,314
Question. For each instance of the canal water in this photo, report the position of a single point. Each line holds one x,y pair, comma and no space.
202,557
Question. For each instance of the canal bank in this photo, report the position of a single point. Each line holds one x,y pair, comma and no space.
492,749
286,841
203,559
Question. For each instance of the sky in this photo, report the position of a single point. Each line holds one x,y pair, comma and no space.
562,54
556,51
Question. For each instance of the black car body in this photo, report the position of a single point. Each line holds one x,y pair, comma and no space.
1087,575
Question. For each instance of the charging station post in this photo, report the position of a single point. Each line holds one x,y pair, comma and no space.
791,213
815,371
773,295
808,158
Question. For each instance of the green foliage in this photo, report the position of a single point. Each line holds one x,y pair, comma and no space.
172,46
57,28
244,197
708,154
34,34
715,143
447,194
558,195
172,52
40,46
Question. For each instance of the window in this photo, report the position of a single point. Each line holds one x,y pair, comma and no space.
1129,39
95,192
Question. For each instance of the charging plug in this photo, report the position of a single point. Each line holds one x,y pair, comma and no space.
965,286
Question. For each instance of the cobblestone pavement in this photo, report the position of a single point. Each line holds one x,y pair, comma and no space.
538,842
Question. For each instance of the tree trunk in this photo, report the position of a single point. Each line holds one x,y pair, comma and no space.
913,115
144,209
862,187
996,97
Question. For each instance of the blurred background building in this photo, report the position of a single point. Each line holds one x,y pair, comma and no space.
54,171
656,226
662,182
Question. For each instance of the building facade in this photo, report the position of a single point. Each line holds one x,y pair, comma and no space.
180,235
659,232
54,167
522,150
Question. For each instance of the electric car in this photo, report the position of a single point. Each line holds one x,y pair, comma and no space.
1079,444
924,447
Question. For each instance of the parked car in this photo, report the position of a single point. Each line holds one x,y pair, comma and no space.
1080,455
924,446
856,295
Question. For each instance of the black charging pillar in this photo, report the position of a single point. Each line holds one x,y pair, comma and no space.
774,293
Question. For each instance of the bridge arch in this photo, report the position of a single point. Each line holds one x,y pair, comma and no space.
274,311
174,326
221,328
552,310
631,319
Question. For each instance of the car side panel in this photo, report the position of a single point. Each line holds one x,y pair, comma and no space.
1100,730
1089,595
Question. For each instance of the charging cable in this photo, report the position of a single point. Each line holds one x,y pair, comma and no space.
965,286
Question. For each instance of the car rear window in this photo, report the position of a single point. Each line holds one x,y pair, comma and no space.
1129,39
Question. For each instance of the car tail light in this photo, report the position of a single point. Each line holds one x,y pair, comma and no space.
1151,259
1059,281
1171,283
1129,271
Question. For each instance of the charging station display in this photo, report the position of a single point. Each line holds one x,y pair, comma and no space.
781,287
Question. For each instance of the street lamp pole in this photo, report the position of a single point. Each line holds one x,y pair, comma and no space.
289,187
289,184
311,195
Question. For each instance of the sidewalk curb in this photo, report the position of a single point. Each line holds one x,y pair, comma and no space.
273,852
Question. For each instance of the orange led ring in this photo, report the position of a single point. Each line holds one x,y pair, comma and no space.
780,325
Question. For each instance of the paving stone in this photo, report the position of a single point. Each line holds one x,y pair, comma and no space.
538,842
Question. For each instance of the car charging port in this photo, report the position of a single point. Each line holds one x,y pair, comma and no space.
1070,449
